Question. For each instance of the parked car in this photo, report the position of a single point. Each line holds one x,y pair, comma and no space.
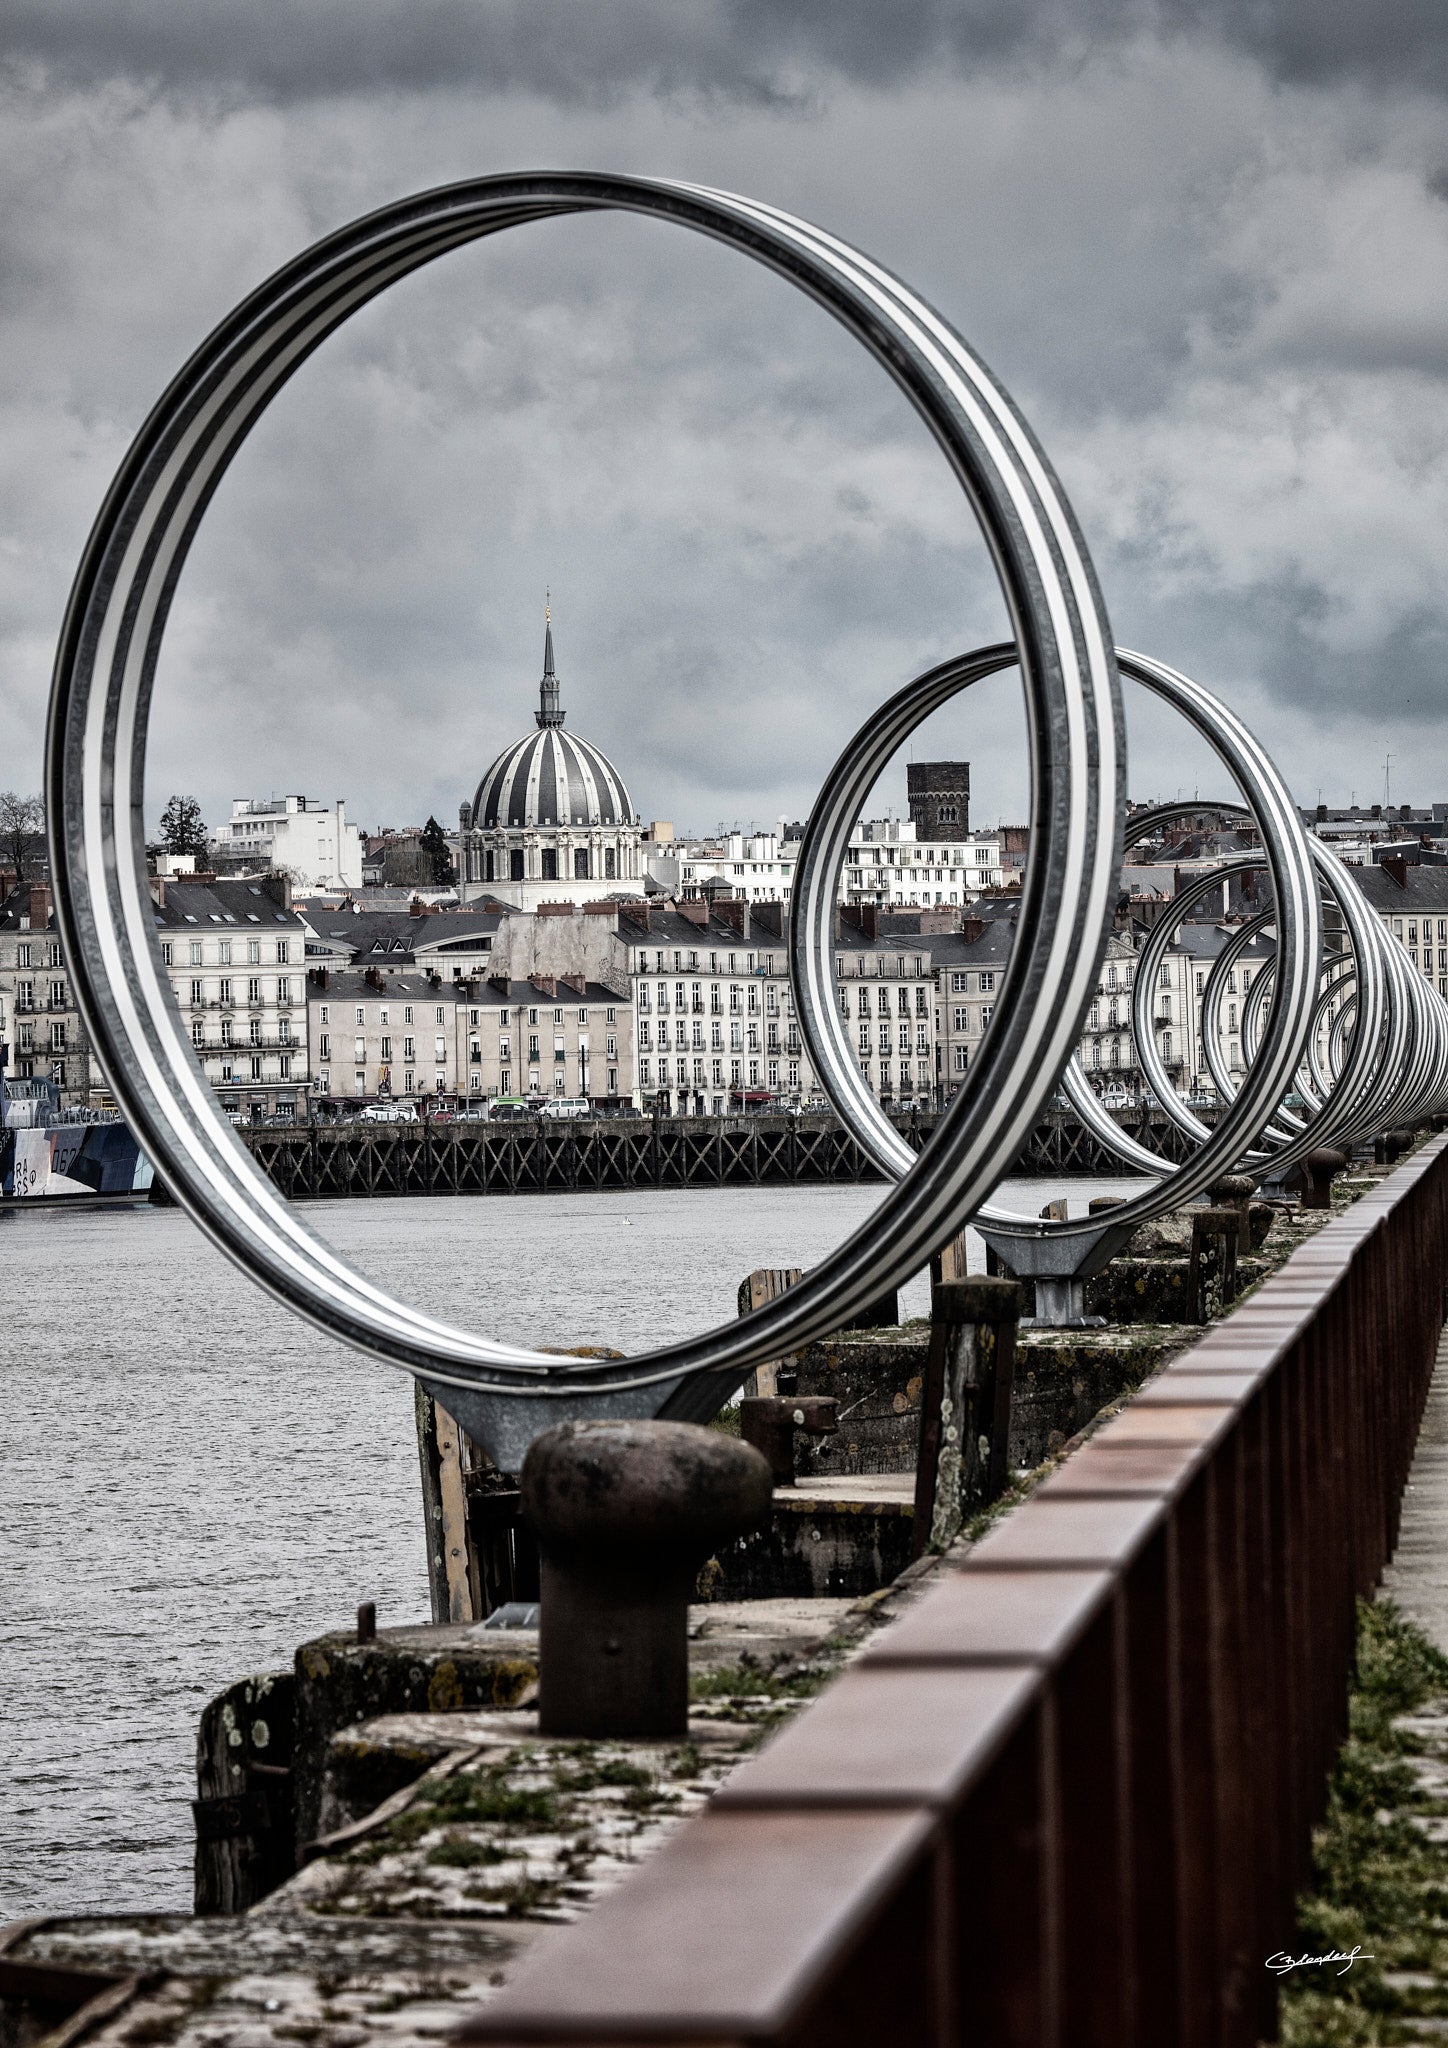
512,1109
564,1108
389,1113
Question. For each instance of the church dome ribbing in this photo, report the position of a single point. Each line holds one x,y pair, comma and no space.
550,777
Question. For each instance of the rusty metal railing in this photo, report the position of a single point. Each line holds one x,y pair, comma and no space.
1068,1796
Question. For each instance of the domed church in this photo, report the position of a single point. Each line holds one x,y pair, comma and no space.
552,820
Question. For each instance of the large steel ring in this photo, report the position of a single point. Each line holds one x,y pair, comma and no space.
95,750
1290,863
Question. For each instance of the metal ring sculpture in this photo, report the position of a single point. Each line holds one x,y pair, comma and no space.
100,702
1387,1043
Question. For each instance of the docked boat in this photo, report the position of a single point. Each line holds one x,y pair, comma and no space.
47,1152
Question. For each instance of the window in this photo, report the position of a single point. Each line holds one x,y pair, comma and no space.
195,952
532,1017
548,864
256,1066
324,1012
987,982
223,952
253,989
962,1018
985,1014
409,1049
198,994
198,1031
283,952
440,1016
386,1047
226,1029
324,1046
254,1032
407,1014
284,991
165,954
610,1016
224,991
962,1054
359,1049
359,1082
361,1015
253,952
440,1049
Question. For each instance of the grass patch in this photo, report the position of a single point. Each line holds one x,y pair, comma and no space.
461,1852
744,1681
1381,1887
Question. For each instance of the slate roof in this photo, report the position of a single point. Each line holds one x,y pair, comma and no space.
1425,889
193,906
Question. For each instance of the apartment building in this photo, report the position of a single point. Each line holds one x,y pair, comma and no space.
235,954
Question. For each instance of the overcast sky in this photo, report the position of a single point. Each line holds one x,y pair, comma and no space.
1205,247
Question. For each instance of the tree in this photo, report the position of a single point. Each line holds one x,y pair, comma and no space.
182,828
22,833
432,841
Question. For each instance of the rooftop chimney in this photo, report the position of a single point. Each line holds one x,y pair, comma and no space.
39,906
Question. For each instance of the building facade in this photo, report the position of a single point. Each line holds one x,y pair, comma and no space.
235,955
887,863
41,1036
382,1037
291,835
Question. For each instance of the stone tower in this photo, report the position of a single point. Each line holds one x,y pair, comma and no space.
939,797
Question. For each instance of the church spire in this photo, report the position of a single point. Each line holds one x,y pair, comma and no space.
549,712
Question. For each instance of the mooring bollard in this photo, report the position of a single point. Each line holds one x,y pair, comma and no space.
1319,1169
965,1410
770,1421
625,1513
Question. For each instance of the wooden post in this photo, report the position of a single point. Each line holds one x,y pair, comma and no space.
765,1284
1216,1234
949,1264
452,1572
965,1406
243,1805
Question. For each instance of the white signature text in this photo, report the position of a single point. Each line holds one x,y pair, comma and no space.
1281,1963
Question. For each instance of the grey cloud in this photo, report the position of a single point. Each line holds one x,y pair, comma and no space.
753,51
1215,300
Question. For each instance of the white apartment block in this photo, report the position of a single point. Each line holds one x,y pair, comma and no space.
755,867
311,844
235,953
887,865
40,1029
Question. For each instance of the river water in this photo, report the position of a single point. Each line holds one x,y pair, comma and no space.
192,1482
